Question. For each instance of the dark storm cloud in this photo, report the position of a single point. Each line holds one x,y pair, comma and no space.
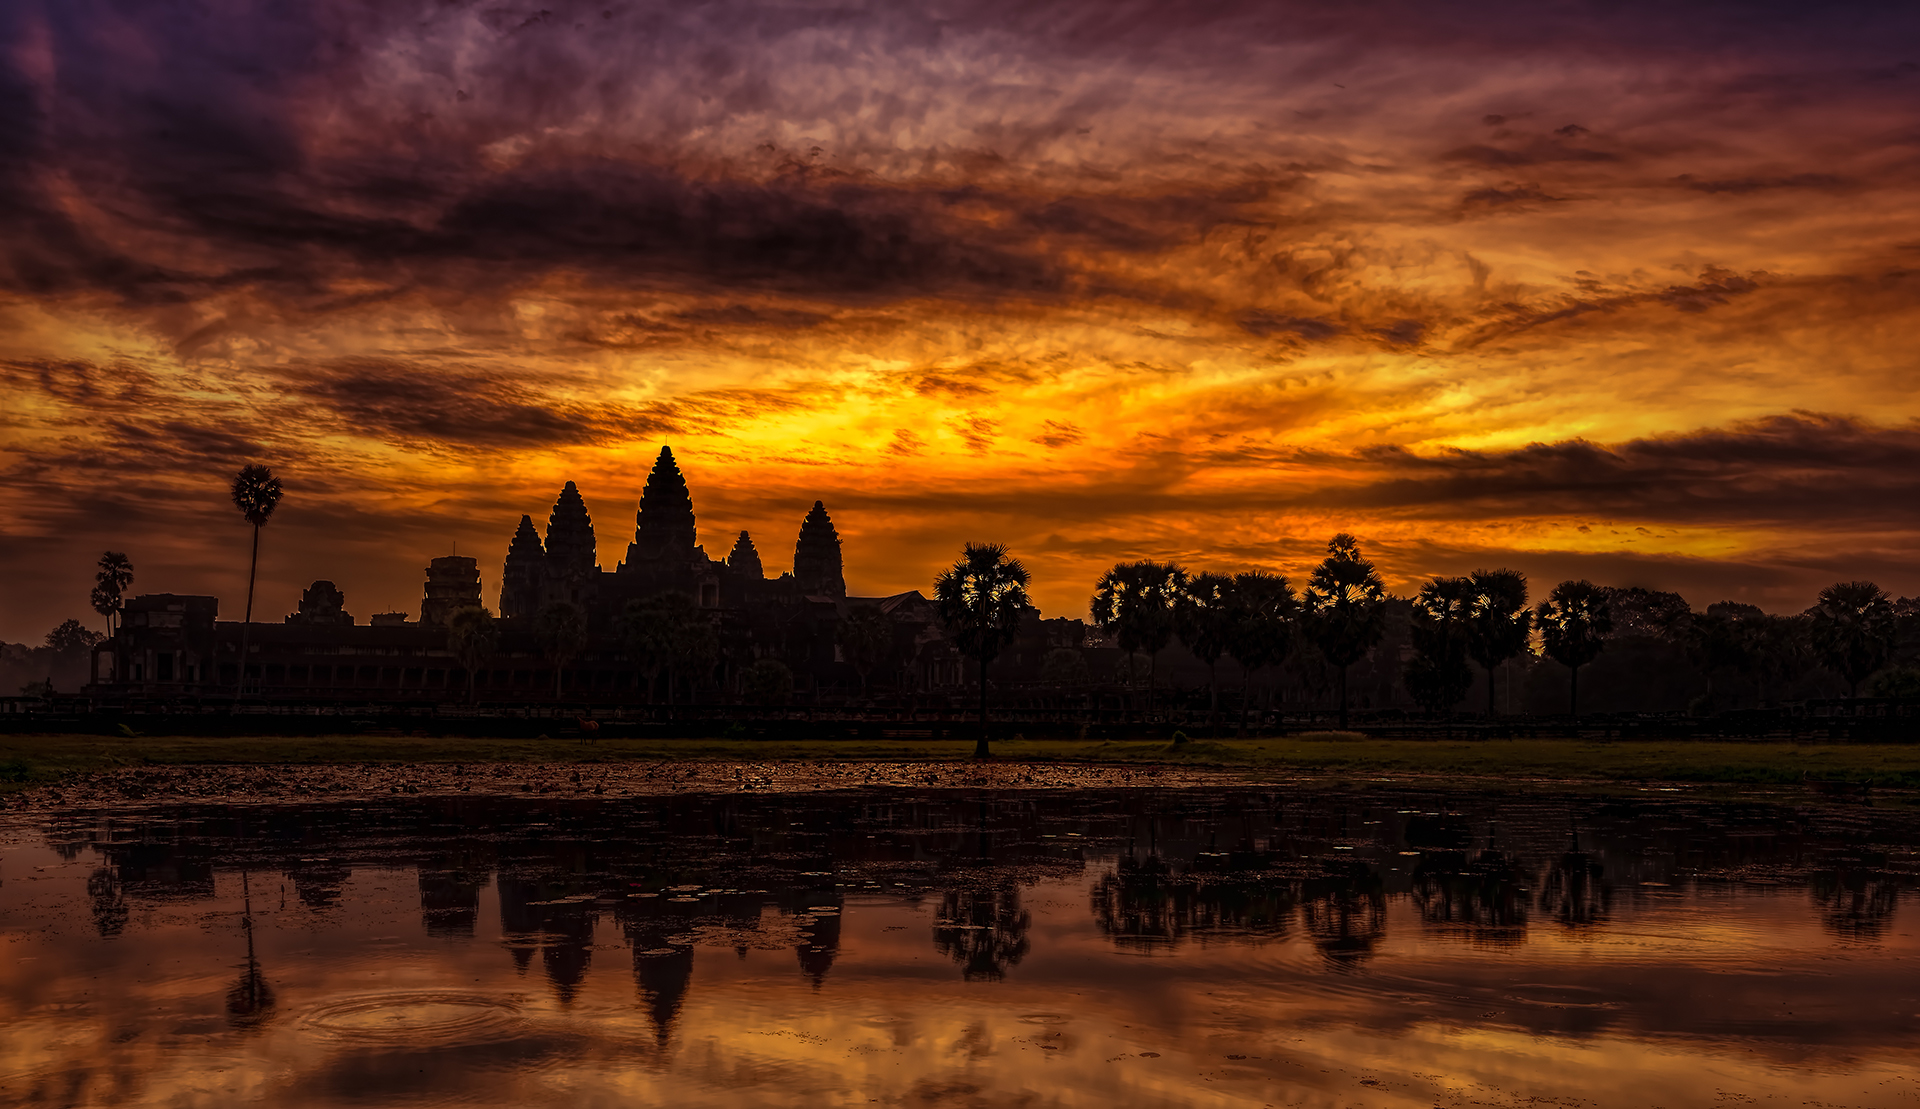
1789,469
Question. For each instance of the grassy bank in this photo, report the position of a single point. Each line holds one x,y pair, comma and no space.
29,760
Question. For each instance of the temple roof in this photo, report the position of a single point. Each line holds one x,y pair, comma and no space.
664,526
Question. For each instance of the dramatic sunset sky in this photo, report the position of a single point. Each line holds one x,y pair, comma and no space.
1618,290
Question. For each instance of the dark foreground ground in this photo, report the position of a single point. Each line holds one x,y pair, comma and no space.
53,769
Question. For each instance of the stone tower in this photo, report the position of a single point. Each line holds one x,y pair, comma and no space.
745,559
570,542
453,583
321,603
521,577
663,529
816,557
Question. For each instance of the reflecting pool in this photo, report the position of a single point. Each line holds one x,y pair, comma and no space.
1137,947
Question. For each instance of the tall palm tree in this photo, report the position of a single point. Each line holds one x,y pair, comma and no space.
1501,621
1853,630
1135,601
981,599
1265,612
561,629
1574,621
1204,615
472,636
256,493
110,586
1346,608
1438,676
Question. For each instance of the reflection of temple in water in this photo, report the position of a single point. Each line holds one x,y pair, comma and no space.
775,874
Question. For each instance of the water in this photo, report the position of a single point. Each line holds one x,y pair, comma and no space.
1097,948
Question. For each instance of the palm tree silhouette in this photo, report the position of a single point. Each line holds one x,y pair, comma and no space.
981,600
1574,621
1135,600
256,493
1204,615
1438,676
561,629
1853,630
1261,632
472,637
110,585
1500,624
1346,607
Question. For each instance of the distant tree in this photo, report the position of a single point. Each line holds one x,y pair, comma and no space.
1134,602
561,630
667,632
981,599
256,493
1064,666
1265,611
1204,612
768,682
1501,622
472,638
1346,609
1853,630
1715,640
1574,622
693,648
865,637
71,639
110,586
1438,676
1896,683
1777,650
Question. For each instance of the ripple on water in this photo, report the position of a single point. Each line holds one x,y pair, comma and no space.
417,1019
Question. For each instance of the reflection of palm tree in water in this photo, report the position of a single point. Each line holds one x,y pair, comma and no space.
1141,903
109,902
1575,892
1346,914
1484,898
1856,904
249,1000
983,929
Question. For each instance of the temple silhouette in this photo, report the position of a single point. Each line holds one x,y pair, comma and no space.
172,647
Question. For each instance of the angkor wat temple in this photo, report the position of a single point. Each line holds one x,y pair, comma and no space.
172,647
665,554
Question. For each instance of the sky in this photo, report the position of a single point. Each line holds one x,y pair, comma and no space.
1623,291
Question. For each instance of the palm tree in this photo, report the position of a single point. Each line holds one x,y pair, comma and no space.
656,630
1438,676
256,493
1501,622
1135,601
981,599
1346,608
110,585
1853,630
472,637
1204,615
1260,634
561,630
865,639
1574,621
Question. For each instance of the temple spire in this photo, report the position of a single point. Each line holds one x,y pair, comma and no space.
745,558
664,526
816,557
520,577
570,538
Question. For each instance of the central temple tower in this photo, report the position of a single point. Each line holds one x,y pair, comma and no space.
663,528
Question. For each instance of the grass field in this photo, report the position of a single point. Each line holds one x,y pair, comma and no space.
27,760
